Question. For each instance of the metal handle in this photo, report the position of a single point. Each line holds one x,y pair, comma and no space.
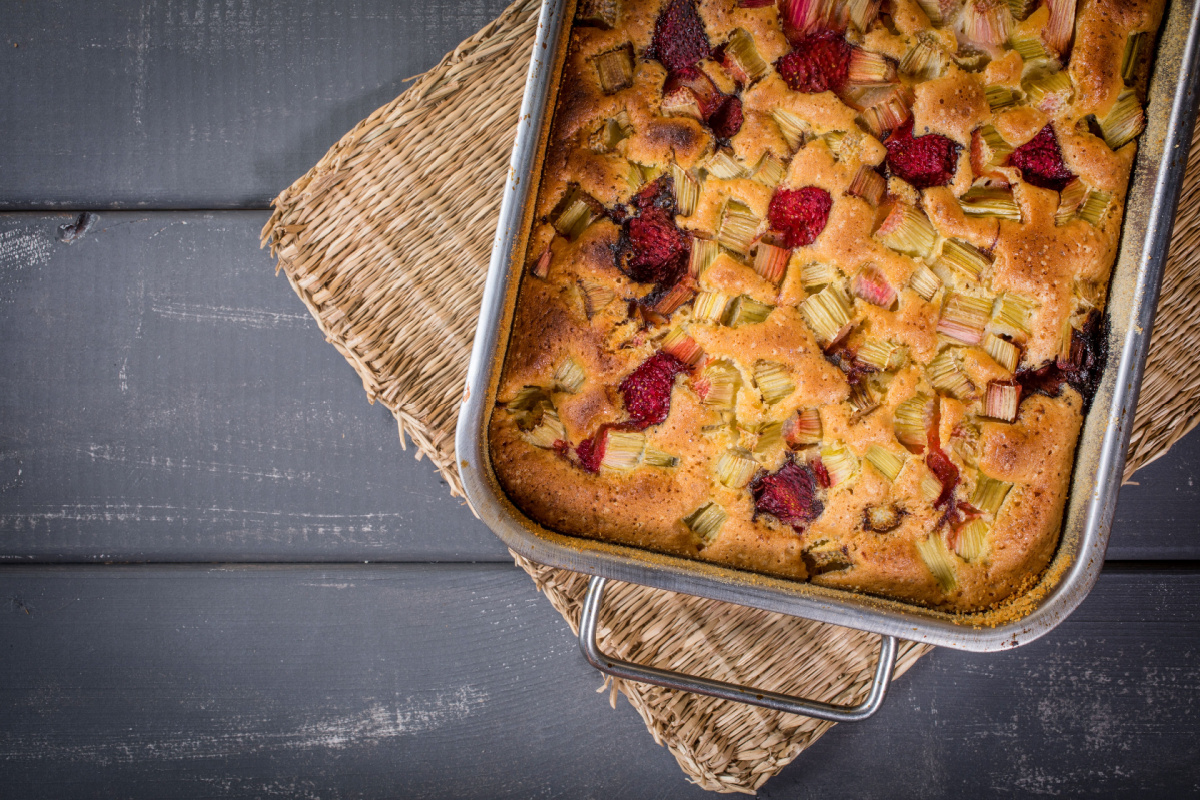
728,691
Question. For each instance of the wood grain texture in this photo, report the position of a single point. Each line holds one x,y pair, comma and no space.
199,103
1158,513
458,681
167,399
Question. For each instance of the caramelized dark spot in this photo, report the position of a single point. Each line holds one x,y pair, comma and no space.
847,361
1081,370
882,518
821,561
679,134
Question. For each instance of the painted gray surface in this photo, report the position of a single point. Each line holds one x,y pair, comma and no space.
1158,515
163,396
459,681
199,103
167,397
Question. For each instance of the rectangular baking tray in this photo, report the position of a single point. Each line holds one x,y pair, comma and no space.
1100,457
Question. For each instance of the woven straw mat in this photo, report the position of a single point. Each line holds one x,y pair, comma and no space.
386,241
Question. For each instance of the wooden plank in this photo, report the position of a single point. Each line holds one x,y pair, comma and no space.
200,104
1158,515
459,681
167,398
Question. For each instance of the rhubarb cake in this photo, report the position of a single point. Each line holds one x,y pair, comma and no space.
815,288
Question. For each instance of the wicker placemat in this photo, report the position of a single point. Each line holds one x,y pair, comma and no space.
386,241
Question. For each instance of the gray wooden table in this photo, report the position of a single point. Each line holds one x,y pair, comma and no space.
311,614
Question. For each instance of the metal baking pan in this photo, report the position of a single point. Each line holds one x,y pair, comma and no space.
1158,174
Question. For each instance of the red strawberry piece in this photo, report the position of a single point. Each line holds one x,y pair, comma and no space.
591,451
657,251
788,494
799,214
923,161
819,62
652,249
726,121
1041,163
679,37
647,390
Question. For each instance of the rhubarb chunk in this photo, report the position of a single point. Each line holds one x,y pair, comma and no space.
706,522
907,230
773,381
936,555
888,463
989,494
1125,121
614,69
741,59
718,385
623,450
981,201
771,262
569,376
871,285
737,227
911,421
869,185
970,542
840,463
736,467
827,313
1060,30
1002,400
803,429
987,23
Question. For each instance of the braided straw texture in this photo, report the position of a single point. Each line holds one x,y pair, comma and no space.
386,241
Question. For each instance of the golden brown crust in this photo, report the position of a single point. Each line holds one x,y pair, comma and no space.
578,310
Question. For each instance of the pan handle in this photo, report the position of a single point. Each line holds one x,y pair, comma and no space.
728,691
